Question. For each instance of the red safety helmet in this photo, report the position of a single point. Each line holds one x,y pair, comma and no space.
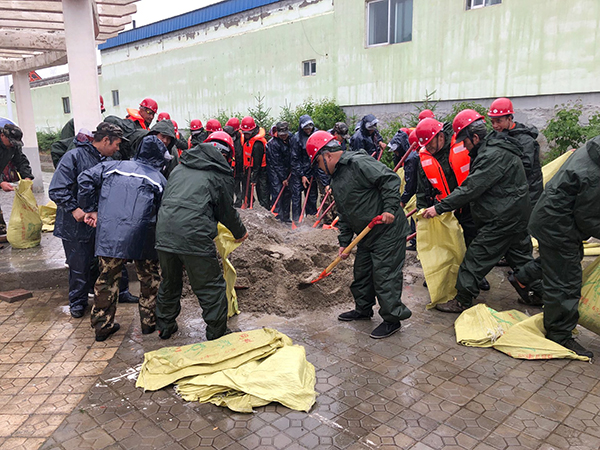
102,104
465,118
501,107
406,130
426,113
248,124
222,137
175,125
316,142
427,129
195,124
150,104
213,125
163,116
234,123
412,137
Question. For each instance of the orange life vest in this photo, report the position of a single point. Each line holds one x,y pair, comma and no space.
459,162
134,115
248,160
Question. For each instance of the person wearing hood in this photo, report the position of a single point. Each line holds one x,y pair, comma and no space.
279,168
121,200
367,137
399,145
302,171
502,117
78,238
566,214
497,191
165,132
199,194
255,160
233,129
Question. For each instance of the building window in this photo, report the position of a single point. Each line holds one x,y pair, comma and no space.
309,67
115,98
474,4
389,21
66,105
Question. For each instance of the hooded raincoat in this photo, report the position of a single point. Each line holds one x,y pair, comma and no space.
126,195
527,135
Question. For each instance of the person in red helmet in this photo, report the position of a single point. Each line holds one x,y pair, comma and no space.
426,114
364,189
255,160
444,165
180,143
502,117
198,133
185,235
143,117
233,128
163,116
496,190
213,125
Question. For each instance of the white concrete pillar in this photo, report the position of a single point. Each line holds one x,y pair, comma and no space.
27,124
9,111
81,55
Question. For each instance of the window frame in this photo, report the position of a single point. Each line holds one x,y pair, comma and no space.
66,104
389,19
486,3
115,96
311,64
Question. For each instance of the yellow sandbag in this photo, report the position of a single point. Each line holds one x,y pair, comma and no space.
412,203
285,377
589,304
481,326
25,226
170,364
441,249
550,169
527,340
589,248
225,243
48,216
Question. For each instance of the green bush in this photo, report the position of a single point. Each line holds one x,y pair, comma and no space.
564,130
458,107
324,113
261,114
46,139
428,103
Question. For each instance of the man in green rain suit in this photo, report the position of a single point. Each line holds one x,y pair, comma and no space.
498,193
365,188
567,213
199,194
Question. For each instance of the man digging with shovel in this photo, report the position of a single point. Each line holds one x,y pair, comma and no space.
365,188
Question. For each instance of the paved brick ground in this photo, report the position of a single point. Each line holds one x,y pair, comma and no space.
416,390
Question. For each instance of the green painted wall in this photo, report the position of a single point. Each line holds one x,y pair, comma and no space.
518,48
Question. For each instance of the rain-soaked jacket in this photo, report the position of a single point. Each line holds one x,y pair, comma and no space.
126,195
568,211
63,191
278,159
17,157
496,186
364,188
399,145
527,136
362,139
199,194
300,160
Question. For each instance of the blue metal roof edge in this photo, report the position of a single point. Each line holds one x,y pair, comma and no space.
189,19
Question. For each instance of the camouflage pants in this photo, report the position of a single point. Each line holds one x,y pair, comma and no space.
106,291
330,216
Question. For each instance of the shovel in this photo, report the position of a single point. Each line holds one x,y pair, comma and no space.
303,207
278,197
376,221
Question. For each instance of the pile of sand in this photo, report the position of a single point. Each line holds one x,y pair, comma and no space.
275,259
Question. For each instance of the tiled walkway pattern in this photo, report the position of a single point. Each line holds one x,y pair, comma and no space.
416,390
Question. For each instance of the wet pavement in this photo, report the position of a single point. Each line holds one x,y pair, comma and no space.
417,389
